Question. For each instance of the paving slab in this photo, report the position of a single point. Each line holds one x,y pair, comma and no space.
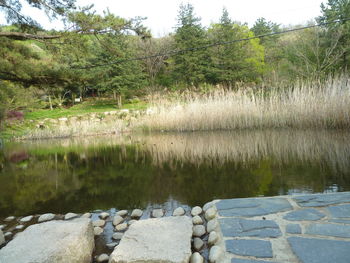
340,211
320,200
304,215
332,230
293,229
252,248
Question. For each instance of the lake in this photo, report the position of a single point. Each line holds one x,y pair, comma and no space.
168,169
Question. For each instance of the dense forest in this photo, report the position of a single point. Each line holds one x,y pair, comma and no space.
95,54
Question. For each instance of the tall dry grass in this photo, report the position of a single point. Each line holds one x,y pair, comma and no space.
316,104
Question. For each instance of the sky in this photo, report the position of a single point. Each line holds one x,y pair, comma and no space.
162,14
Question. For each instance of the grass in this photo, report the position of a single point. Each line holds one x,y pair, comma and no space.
305,105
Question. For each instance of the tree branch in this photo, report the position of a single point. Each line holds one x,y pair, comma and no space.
25,36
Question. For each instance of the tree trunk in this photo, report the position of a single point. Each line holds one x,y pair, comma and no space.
50,102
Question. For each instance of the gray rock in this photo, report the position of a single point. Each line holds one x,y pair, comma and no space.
2,227
10,218
121,227
310,214
340,211
131,222
112,245
122,213
179,211
70,216
98,230
156,240
19,227
210,213
8,234
312,250
215,254
117,220
86,215
198,243
235,227
252,206
54,242
99,223
198,230
320,200
332,230
196,258
103,216
197,210
213,238
2,238
253,248
117,236
26,219
46,217
208,205
293,229
212,225
136,213
197,220
157,213
102,258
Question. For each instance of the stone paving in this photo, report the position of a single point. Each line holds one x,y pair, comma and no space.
302,228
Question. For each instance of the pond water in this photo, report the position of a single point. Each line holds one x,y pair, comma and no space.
136,171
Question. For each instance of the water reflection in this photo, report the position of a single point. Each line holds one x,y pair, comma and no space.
126,172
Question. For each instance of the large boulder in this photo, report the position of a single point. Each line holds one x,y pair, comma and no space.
54,242
159,240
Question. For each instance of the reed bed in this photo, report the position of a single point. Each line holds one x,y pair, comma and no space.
318,104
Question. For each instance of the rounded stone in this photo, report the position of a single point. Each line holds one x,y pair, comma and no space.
99,223
210,213
196,258
197,210
86,215
8,234
98,230
121,227
26,219
197,220
112,245
157,213
179,211
207,206
212,225
122,212
117,220
2,227
198,230
131,222
10,218
117,236
215,254
198,243
103,215
136,213
70,216
102,258
46,217
213,238
19,227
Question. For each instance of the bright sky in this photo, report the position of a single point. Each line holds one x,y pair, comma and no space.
162,14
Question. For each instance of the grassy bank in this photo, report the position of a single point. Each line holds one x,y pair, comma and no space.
305,105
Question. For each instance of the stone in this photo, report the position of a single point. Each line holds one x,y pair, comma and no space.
293,229
103,215
212,225
340,211
98,230
197,210
210,213
340,221
314,250
235,227
70,216
102,258
198,230
250,247
252,206
333,230
19,227
26,219
2,238
213,238
198,243
2,227
156,240
46,217
112,245
131,222
117,236
240,260
157,213
196,258
99,223
117,220
136,213
208,205
310,214
8,234
197,220
122,213
53,241
86,215
215,254
121,227
320,200
179,211
10,218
